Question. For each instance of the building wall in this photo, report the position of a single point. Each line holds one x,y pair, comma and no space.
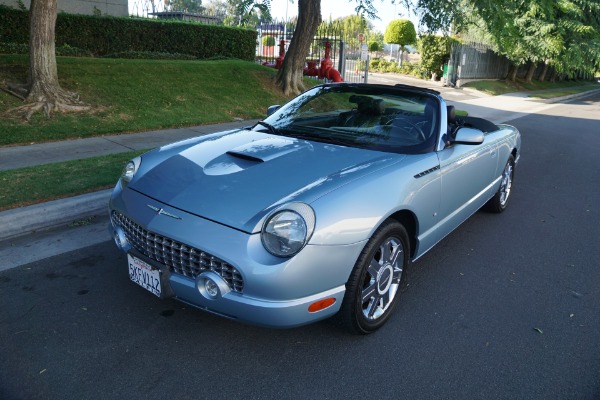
118,8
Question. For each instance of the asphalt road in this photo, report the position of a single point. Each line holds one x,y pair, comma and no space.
506,307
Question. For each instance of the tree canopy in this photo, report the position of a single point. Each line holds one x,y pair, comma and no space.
247,12
191,6
400,31
435,51
562,33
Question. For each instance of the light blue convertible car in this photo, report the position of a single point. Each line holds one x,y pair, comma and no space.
316,210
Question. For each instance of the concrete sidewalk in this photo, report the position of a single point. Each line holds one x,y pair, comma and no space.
22,221
45,153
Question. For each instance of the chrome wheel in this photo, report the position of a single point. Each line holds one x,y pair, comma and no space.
506,184
374,286
382,278
499,202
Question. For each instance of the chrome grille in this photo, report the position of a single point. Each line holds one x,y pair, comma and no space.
180,258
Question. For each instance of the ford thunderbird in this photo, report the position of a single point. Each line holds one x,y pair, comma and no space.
317,210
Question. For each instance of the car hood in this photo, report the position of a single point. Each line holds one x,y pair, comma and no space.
236,178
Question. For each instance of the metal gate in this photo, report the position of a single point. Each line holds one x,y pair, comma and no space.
274,39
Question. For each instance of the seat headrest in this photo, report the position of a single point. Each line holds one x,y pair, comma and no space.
372,106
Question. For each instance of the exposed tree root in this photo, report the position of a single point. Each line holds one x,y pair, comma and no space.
48,99
15,90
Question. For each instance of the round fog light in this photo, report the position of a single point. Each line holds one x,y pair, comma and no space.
211,285
211,288
121,240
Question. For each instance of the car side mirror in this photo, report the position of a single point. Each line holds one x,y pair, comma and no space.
467,136
272,109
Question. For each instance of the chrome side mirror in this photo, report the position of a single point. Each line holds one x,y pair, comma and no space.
468,136
272,109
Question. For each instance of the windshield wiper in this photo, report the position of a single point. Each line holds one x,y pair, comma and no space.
270,127
321,138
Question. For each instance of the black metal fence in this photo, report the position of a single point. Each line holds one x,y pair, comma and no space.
273,37
165,9
472,60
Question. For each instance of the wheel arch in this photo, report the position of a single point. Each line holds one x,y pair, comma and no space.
409,220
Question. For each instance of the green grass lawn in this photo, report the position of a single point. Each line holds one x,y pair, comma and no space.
25,186
138,95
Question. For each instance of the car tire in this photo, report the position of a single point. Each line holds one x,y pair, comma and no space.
498,203
373,289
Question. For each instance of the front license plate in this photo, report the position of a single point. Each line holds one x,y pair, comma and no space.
144,275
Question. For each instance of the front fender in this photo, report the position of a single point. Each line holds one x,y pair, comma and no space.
352,213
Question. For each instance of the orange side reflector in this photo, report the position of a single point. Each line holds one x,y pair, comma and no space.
321,305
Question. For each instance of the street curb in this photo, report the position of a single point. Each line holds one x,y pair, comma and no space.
23,221
567,97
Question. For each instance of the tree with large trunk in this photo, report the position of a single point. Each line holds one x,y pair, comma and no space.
42,92
289,77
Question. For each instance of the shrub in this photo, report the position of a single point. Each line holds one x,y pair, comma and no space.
374,64
383,65
13,48
69,51
435,51
268,41
102,35
149,55
374,46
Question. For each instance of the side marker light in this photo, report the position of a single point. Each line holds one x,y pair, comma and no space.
321,305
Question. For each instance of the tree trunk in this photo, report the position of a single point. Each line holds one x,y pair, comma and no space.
289,77
544,72
42,90
512,73
42,52
530,72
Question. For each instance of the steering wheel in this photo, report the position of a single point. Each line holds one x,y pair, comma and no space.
413,128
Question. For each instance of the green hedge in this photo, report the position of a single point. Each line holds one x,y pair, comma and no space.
407,68
102,35
14,25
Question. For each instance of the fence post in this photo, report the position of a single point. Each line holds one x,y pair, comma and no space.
342,60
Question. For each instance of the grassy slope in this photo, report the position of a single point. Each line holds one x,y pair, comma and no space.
137,95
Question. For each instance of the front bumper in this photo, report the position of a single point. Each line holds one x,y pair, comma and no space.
276,292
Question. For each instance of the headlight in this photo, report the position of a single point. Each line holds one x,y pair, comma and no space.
130,170
288,229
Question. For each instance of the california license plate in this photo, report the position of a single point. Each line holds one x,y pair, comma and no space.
144,275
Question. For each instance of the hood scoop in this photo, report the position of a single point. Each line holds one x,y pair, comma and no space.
250,154
244,156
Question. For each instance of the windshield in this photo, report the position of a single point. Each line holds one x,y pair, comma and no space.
378,118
